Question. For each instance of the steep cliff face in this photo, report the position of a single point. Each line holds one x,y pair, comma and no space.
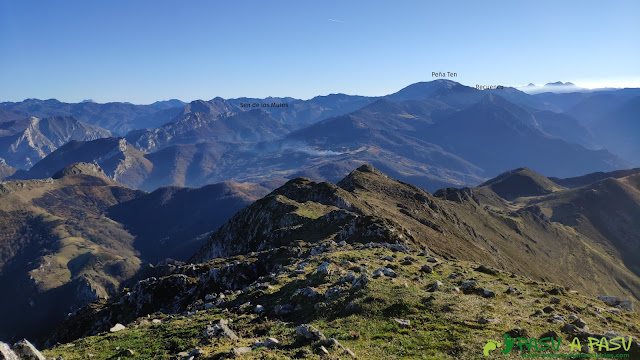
205,122
25,142
119,160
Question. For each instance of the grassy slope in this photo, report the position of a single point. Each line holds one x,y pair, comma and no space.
444,323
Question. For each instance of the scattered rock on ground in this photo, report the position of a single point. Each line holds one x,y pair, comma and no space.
384,271
348,351
323,350
625,305
307,291
347,278
403,323
579,323
272,343
239,351
196,353
557,291
570,329
469,286
127,352
549,334
6,353
324,269
360,282
220,330
488,293
285,309
516,333
117,327
610,300
330,343
436,285
26,351
427,269
333,292
308,332
486,270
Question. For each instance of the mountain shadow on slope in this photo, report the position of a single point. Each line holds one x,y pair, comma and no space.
175,222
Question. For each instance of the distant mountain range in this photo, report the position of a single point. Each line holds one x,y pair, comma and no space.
116,117
101,205
432,134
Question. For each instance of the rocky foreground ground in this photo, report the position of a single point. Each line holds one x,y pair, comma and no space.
337,300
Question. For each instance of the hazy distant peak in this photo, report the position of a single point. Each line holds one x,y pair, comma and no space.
554,87
166,104
214,106
559,83
424,89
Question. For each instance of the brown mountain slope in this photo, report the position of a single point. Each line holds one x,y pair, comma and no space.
521,183
57,249
607,212
174,222
71,239
512,236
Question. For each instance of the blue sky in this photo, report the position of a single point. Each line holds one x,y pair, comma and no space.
143,51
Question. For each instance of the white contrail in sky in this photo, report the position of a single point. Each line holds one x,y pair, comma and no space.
338,21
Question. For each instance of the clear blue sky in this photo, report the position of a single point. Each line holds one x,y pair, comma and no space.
143,51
